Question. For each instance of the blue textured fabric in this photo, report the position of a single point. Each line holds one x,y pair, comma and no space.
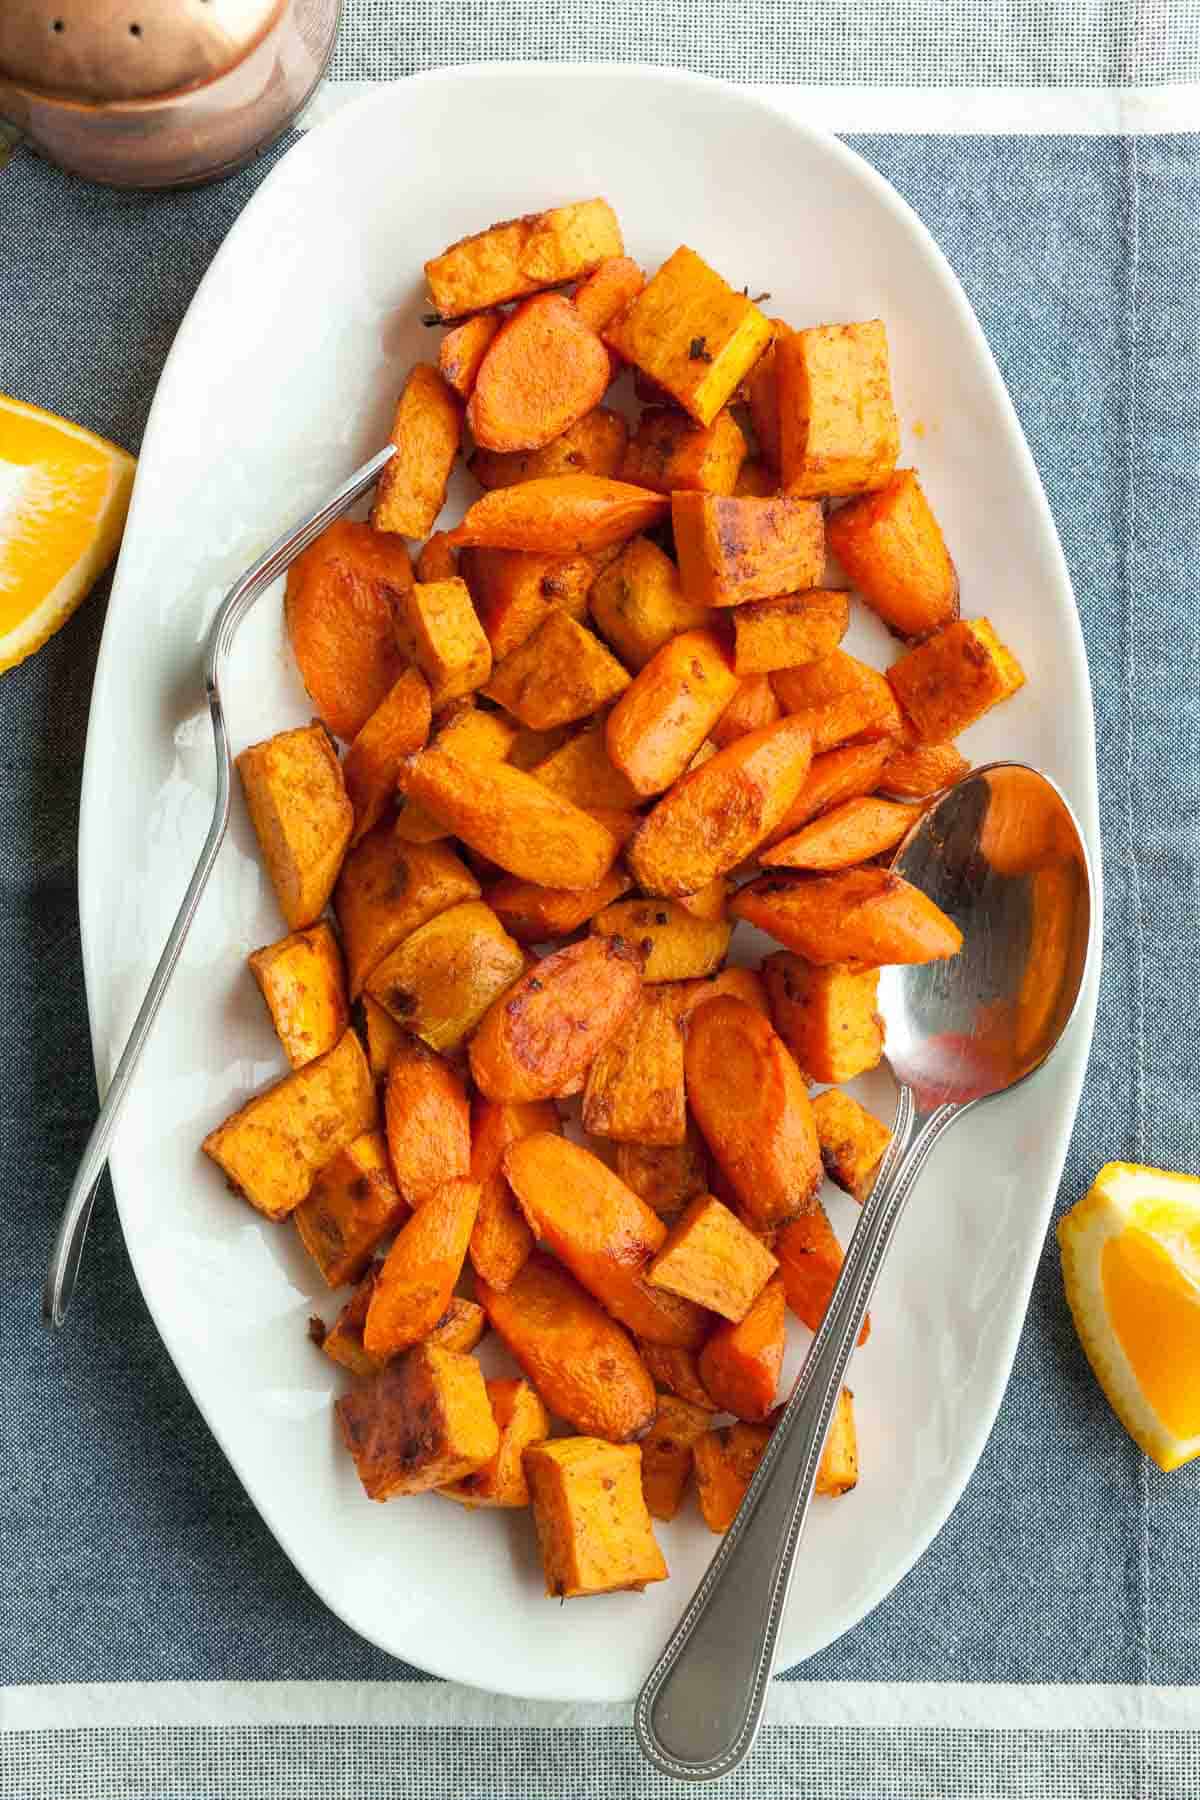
1068,1557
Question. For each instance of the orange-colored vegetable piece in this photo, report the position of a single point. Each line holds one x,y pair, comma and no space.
667,1453
755,481
544,370
440,981
838,431
515,590
660,722
532,914
859,915
437,561
427,431
463,349
892,549
469,733
709,901
835,775
398,726
428,1121
594,445
916,772
751,1104
519,256
713,818
562,672
304,986
762,396
522,1421
351,1205
852,1141
581,1362
678,1371
741,1363
387,889
384,1036
825,1016
733,983
753,706
669,451
507,816
501,1240
639,605
710,1257
460,1327
839,697
582,772
592,1525
953,678
848,834
544,1033
297,802
810,1261
420,1422
602,1232
666,1176
436,625
634,1087
608,290
339,609
795,628
561,515
417,1279
733,550
342,1341
725,1462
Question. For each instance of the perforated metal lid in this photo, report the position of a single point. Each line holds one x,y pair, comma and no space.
112,50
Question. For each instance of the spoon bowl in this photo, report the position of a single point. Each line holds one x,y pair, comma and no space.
1003,855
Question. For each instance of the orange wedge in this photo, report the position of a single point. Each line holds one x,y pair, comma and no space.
64,494
1131,1268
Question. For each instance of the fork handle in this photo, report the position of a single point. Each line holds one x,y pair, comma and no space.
72,1231
699,1712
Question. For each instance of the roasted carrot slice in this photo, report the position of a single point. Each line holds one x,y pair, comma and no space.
417,1280
848,834
741,1362
564,515
501,1240
339,609
859,915
428,1121
810,1261
545,1031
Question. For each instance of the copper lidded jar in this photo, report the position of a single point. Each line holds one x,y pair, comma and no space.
159,93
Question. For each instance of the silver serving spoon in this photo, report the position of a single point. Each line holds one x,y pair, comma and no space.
1003,854
72,1230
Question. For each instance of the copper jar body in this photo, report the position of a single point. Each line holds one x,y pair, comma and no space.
159,93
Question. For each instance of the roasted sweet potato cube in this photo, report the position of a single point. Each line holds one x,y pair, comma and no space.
858,915
711,1258
733,983
952,679
339,609
593,445
826,1016
304,986
462,350
667,1453
752,1106
740,1364
922,770
542,372
733,550
837,1471
351,1206
673,944
561,515
593,1529
460,1327
533,914
838,697
398,726
583,773
810,1261
522,1421
387,890
512,819
562,672
581,1362
343,1340
384,1036
423,1421
416,1282
437,561
519,256
678,1371
835,776
428,1121
725,1462
473,736
515,590
852,1141
753,706
634,1087
639,604
851,833
714,818
297,802
892,549
437,627
544,1032
794,628
427,431
838,430
273,1148
666,1176
501,1240
608,290
708,902
691,333
664,717
669,451
602,1232
442,978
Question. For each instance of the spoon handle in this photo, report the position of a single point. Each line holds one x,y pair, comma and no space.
699,1712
